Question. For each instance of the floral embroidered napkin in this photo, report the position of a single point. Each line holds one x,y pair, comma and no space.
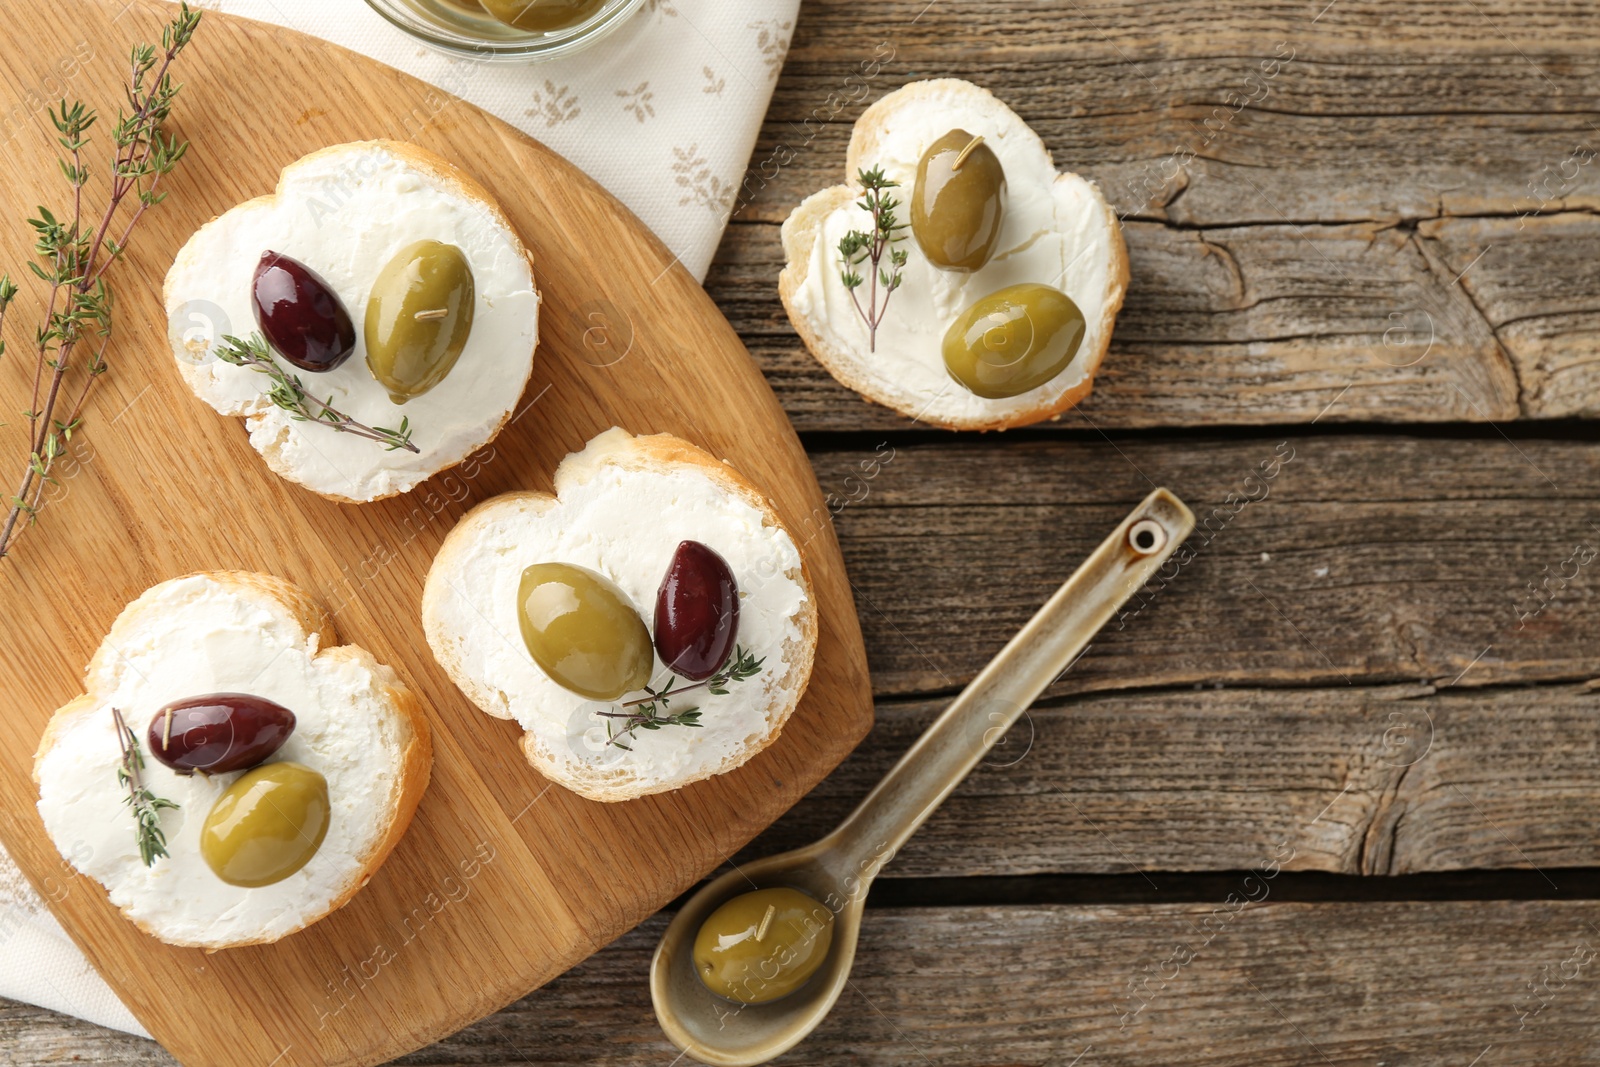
663,113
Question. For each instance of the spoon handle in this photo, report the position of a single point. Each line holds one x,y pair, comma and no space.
1039,653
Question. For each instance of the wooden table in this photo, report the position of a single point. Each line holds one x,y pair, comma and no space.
1329,797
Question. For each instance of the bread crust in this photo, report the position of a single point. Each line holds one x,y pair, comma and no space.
442,171
802,229
273,593
656,452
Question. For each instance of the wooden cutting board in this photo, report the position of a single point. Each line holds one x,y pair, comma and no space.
503,881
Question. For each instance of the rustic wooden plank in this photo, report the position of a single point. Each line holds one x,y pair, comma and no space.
1300,250
1363,559
1369,113
1234,325
1388,780
1175,984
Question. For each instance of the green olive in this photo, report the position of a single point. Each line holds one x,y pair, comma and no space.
763,945
583,631
958,202
267,825
418,318
542,15
1013,340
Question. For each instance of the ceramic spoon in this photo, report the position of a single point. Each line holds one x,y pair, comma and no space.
838,869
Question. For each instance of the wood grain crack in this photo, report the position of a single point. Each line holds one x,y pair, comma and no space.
1441,269
1380,838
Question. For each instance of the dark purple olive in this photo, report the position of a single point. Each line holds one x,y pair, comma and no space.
697,612
300,314
219,732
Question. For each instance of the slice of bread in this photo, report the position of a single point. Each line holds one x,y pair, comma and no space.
356,724
621,507
345,211
1059,230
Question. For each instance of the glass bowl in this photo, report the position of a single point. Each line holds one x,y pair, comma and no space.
462,28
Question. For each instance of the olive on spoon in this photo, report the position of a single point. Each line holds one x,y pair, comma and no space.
747,1027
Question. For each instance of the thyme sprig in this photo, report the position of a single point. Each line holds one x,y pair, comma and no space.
146,806
652,712
647,716
857,247
289,393
75,253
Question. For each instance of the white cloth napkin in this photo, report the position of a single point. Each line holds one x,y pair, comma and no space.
663,113
40,964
